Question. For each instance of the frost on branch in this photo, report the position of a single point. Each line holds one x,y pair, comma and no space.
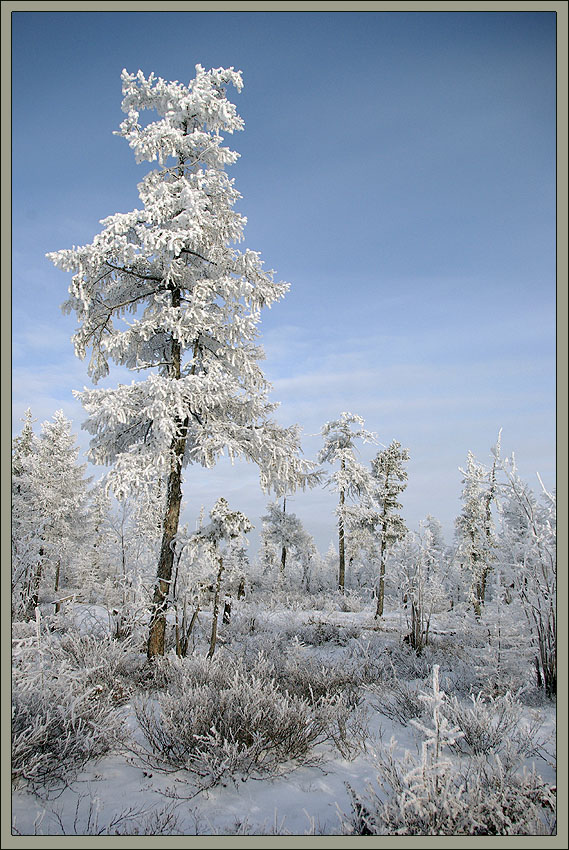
164,289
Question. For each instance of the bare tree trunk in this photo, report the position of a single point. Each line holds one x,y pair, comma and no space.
381,589
183,632
56,587
283,552
157,631
35,582
226,616
341,541
213,639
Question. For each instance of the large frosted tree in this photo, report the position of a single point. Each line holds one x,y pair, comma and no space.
164,289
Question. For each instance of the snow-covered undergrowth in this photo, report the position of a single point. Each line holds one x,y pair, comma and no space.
305,721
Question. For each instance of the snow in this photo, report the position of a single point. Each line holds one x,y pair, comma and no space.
306,800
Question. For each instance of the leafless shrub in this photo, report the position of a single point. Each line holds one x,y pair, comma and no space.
61,718
397,700
220,720
493,725
87,816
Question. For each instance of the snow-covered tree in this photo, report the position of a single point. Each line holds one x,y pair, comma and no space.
164,289
25,529
474,527
420,579
225,527
390,478
285,532
50,511
22,446
352,480
527,548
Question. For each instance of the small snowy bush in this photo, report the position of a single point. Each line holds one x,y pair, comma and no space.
89,818
112,666
493,725
219,719
320,633
397,700
487,800
61,718
309,677
436,796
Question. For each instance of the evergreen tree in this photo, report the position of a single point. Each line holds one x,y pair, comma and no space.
193,305
285,532
225,528
390,477
25,530
352,479
476,540
50,508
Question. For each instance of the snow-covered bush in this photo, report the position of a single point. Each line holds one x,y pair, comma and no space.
397,700
492,725
318,633
527,552
307,677
485,800
61,718
218,720
89,818
114,667
437,796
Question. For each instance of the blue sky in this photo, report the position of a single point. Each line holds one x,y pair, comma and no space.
397,168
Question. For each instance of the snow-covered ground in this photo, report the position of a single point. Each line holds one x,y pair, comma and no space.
119,793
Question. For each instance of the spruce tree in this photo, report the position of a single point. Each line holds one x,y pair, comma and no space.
51,514
476,541
390,479
352,479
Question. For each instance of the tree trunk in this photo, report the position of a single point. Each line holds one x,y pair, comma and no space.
226,616
283,552
157,630
213,639
381,589
341,549
183,634
56,587
34,597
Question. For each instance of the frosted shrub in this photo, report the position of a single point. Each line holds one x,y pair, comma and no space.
235,722
89,818
61,716
492,725
304,675
488,801
370,658
112,666
320,633
59,722
434,796
398,700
